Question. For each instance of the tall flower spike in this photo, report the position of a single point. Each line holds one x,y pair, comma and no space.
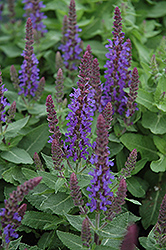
11,10
75,191
3,100
14,78
107,114
40,89
59,86
80,117
130,164
85,233
160,227
12,214
52,120
71,46
117,201
29,71
118,75
33,10
37,162
11,112
99,191
58,61
130,238
57,154
132,95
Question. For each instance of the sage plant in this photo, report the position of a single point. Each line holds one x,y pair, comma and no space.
33,10
30,86
71,43
117,74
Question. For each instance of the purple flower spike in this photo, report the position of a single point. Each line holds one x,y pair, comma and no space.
3,100
100,192
131,97
118,75
57,154
75,191
59,86
71,43
52,120
12,214
33,10
29,72
86,233
37,162
129,164
117,201
160,227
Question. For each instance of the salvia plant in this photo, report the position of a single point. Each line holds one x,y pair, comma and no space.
83,148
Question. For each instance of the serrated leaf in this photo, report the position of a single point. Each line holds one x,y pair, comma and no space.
48,161
17,155
146,99
14,244
75,221
72,241
38,220
49,179
143,144
155,122
15,127
35,140
114,232
22,246
46,239
13,175
59,183
29,173
139,165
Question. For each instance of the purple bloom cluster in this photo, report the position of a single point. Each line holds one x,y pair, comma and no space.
29,84
3,100
118,75
71,43
100,191
12,214
80,120
33,10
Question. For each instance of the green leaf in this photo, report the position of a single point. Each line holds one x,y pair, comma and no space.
17,155
134,186
150,206
134,201
15,127
35,140
159,165
72,241
14,244
155,122
146,99
143,144
39,220
139,165
13,175
49,162
114,232
46,239
49,179
11,50
115,148
59,183
22,246
158,10
29,173
75,221
160,143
